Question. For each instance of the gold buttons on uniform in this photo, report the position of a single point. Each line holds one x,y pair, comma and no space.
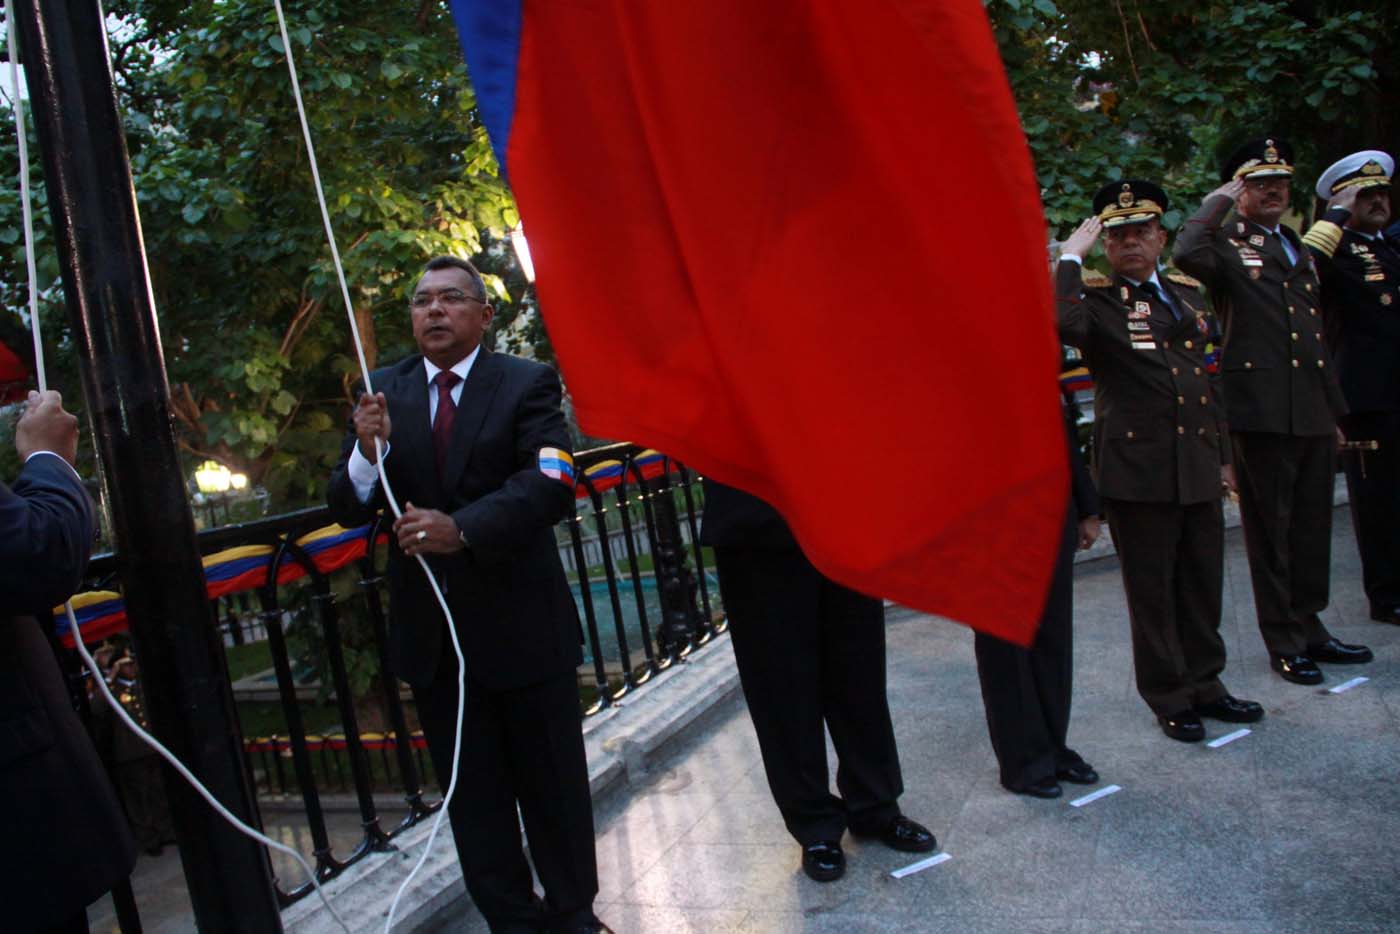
1130,434
1201,432
1294,335
1175,371
1319,364
1198,371
1166,345
1180,400
1290,309
1295,363
1248,365
1308,286
1180,430
1188,345
1203,400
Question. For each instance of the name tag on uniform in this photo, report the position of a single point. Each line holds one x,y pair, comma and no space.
1139,326
1144,345
1375,277
1251,261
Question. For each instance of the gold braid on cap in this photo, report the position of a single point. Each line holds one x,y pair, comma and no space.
1130,213
1372,175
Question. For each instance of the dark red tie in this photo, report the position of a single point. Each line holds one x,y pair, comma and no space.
446,415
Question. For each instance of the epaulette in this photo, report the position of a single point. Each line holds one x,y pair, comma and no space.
1094,279
1181,278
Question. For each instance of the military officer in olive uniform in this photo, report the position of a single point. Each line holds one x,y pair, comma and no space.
1281,396
1360,270
1162,451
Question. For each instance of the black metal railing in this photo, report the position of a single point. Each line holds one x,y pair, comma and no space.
632,555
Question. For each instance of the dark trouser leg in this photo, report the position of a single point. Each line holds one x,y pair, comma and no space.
482,812
77,924
1026,692
1373,487
1310,536
1200,579
773,600
544,739
1147,536
856,708
1267,469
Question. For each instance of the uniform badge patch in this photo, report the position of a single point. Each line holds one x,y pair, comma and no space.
1142,308
558,465
1256,239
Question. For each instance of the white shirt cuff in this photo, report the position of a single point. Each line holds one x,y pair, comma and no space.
60,457
363,475
1072,258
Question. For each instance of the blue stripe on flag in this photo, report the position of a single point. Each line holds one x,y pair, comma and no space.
489,31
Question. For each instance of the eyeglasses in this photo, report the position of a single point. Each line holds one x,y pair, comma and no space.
450,297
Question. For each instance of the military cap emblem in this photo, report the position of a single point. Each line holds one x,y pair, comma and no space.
1270,157
1270,152
1125,198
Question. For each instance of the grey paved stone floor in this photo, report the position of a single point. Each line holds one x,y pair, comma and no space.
1294,828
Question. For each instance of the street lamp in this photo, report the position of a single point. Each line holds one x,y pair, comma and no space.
212,477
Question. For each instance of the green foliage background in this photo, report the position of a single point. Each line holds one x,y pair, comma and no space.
252,322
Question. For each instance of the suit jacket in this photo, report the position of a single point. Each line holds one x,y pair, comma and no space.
71,841
733,517
1276,371
1084,497
515,613
1361,307
1160,433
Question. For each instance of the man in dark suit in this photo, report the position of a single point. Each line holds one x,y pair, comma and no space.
477,452
69,841
1282,398
1026,691
1161,449
1360,271
810,653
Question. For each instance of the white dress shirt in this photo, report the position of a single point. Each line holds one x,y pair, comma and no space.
364,476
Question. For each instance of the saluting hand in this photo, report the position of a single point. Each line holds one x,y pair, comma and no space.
371,421
1344,199
427,531
1083,239
1231,189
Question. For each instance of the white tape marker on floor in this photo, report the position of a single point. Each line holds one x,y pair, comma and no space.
1090,798
1348,685
1227,738
921,865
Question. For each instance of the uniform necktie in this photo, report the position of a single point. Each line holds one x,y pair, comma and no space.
1161,296
446,415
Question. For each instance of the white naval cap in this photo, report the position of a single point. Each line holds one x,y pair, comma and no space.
1360,169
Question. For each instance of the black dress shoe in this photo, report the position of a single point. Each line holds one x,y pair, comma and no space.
1339,653
1296,668
1047,787
584,927
902,834
1231,710
1391,615
1081,773
1184,726
823,861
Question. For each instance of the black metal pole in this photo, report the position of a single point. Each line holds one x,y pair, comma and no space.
108,294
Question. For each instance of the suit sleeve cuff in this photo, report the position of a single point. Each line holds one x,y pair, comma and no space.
60,459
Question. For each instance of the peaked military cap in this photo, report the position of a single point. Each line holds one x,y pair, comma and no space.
1267,157
1365,169
1130,201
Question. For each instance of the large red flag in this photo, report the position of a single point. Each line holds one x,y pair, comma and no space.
798,244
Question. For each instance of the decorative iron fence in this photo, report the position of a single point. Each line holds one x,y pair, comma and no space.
304,603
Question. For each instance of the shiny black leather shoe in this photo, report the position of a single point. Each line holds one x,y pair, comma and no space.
1391,615
1296,668
902,834
1045,788
1339,653
1184,726
1081,773
1231,710
823,861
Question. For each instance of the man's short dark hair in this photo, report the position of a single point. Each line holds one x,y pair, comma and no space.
456,262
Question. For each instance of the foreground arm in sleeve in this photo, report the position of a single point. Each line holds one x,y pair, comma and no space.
46,531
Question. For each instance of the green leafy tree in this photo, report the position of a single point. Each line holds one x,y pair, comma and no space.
254,329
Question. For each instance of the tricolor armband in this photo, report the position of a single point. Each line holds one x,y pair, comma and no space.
557,464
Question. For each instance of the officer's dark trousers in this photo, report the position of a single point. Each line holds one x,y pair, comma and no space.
811,652
1286,508
1173,563
1026,692
1373,486
522,746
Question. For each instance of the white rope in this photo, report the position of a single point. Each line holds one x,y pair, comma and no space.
73,627
379,463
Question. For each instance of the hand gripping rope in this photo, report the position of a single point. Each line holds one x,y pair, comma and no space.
87,658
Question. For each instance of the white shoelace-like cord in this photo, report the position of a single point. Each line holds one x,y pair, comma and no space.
379,464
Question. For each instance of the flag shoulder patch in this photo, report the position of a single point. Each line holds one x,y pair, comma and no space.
557,464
